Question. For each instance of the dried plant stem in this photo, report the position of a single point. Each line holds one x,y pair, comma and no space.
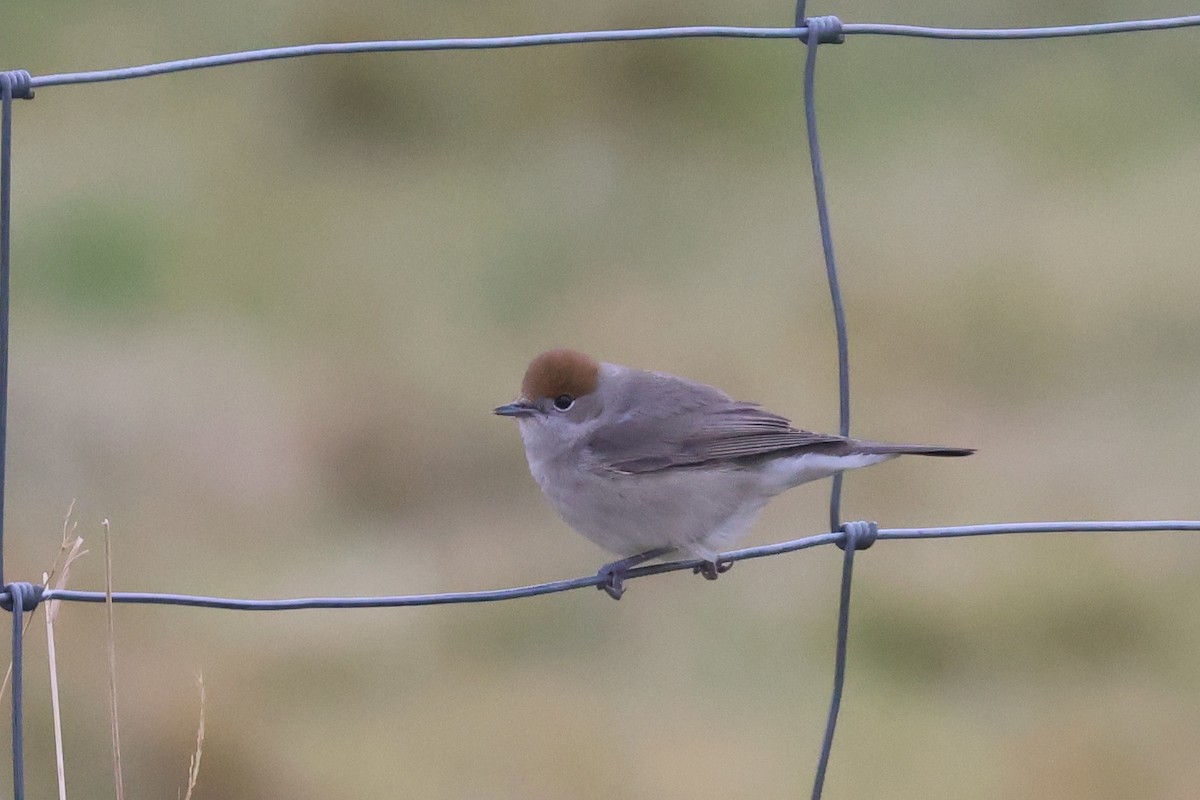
194,766
52,609
66,554
56,709
112,665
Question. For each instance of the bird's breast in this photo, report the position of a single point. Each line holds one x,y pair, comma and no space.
628,514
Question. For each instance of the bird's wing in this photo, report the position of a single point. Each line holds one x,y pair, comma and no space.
700,427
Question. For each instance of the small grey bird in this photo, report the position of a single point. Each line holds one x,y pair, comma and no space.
644,464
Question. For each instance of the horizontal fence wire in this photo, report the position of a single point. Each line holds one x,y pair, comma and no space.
584,37
851,537
554,587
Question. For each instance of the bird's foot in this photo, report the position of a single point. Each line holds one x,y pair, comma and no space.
613,575
711,570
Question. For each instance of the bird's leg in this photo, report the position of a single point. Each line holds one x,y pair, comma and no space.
614,573
712,570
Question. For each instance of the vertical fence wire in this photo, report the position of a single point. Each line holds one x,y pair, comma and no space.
18,596
18,690
6,98
18,743
858,536
821,29
828,30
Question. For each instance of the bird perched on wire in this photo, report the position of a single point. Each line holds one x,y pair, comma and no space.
644,463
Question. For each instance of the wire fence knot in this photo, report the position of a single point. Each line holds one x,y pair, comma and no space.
826,30
858,535
30,595
20,81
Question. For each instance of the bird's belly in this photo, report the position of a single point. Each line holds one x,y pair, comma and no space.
629,514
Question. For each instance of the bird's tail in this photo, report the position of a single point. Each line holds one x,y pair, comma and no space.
883,448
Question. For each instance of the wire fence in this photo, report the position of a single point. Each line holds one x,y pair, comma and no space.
22,597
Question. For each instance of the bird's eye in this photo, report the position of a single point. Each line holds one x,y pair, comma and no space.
564,402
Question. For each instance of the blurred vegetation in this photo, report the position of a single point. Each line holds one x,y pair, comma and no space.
261,315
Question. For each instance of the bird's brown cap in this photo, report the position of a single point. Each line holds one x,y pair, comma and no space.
558,372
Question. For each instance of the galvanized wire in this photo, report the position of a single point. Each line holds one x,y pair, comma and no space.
584,37
821,30
587,581
19,84
7,82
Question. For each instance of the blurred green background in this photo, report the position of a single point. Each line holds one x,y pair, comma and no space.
261,315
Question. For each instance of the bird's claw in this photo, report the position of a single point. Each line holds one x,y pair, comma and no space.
613,575
711,570
613,583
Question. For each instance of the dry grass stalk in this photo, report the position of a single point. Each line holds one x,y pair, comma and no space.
52,607
67,553
119,784
194,766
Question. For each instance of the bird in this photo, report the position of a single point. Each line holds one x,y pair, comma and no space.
645,464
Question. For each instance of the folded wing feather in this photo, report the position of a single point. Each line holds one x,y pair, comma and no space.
701,427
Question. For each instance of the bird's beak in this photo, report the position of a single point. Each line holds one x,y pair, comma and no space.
517,408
